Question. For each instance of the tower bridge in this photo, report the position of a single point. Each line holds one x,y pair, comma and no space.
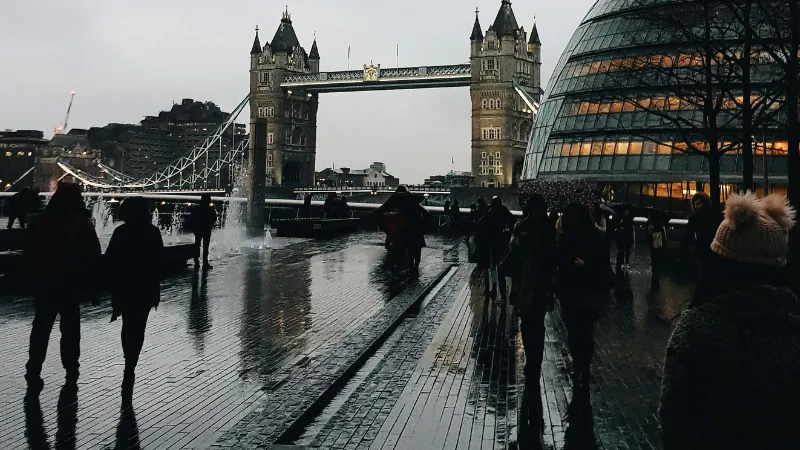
373,78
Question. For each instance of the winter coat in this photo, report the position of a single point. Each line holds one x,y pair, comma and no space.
132,261
408,205
494,230
203,218
63,253
731,373
534,250
587,286
701,230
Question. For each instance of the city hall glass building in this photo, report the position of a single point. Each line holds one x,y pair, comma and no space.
585,130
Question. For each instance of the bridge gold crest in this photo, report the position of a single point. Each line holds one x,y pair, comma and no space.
372,72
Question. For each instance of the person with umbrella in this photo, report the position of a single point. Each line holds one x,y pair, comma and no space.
402,218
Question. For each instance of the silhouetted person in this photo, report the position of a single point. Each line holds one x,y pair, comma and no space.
21,204
203,219
343,207
62,252
533,247
412,227
455,213
624,235
656,241
307,204
700,230
133,258
583,283
732,365
495,233
331,212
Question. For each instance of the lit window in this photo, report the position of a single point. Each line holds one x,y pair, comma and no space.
8,153
270,139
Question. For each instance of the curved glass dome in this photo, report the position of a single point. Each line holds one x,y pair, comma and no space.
589,123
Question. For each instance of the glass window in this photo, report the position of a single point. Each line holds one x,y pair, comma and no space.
608,148
633,163
586,148
619,163
635,148
565,149
597,148
605,163
678,163
648,162
562,164
648,147
583,163
662,163
622,148
665,148
573,164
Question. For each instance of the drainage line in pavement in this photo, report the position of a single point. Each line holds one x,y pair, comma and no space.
294,431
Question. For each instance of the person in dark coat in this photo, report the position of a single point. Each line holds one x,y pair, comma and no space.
732,363
656,242
700,231
624,236
132,258
307,204
583,285
21,204
533,248
330,206
203,219
495,233
63,251
413,216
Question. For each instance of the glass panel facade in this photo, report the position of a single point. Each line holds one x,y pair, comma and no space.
598,118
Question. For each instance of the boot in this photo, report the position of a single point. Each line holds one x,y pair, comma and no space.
35,385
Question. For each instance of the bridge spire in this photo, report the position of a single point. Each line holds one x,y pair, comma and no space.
534,40
256,44
477,31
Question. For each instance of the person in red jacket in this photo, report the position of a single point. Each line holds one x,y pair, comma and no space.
63,252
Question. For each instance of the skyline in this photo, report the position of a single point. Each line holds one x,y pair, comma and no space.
124,50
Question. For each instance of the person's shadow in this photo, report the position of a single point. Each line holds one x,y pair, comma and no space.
579,434
67,421
127,430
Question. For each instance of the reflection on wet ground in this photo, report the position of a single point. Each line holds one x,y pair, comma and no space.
215,343
221,347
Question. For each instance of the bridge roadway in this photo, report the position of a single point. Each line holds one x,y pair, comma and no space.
457,75
234,357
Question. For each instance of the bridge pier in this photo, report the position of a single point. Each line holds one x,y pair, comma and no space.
256,177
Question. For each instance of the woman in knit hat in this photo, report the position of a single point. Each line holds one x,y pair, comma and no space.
733,361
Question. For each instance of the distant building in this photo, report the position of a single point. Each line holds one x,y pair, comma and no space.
158,141
451,180
374,176
74,149
18,151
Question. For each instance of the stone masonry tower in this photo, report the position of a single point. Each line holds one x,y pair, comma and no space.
501,125
290,116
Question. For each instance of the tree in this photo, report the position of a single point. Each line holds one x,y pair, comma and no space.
699,65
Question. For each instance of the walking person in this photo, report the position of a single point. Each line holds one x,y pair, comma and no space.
16,208
62,250
656,241
533,249
700,231
133,257
405,207
733,360
495,229
624,236
307,204
583,283
203,218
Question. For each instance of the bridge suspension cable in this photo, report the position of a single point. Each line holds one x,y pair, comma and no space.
171,175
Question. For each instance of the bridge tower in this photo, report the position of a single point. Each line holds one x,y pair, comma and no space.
500,124
290,116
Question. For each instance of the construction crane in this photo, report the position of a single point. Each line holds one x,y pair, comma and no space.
63,127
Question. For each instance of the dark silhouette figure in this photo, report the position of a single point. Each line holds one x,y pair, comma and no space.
495,233
533,249
656,241
203,218
330,206
624,235
63,248
700,231
447,207
307,204
135,274
127,430
408,223
583,283
21,204
733,360
455,214
67,421
343,207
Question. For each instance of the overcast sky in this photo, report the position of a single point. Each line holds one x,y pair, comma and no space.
129,59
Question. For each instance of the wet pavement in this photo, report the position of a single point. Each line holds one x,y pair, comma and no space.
314,345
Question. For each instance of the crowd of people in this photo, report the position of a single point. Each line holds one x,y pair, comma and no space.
730,367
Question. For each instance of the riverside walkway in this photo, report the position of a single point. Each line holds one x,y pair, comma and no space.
313,345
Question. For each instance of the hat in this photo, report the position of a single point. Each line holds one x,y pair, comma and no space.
755,231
